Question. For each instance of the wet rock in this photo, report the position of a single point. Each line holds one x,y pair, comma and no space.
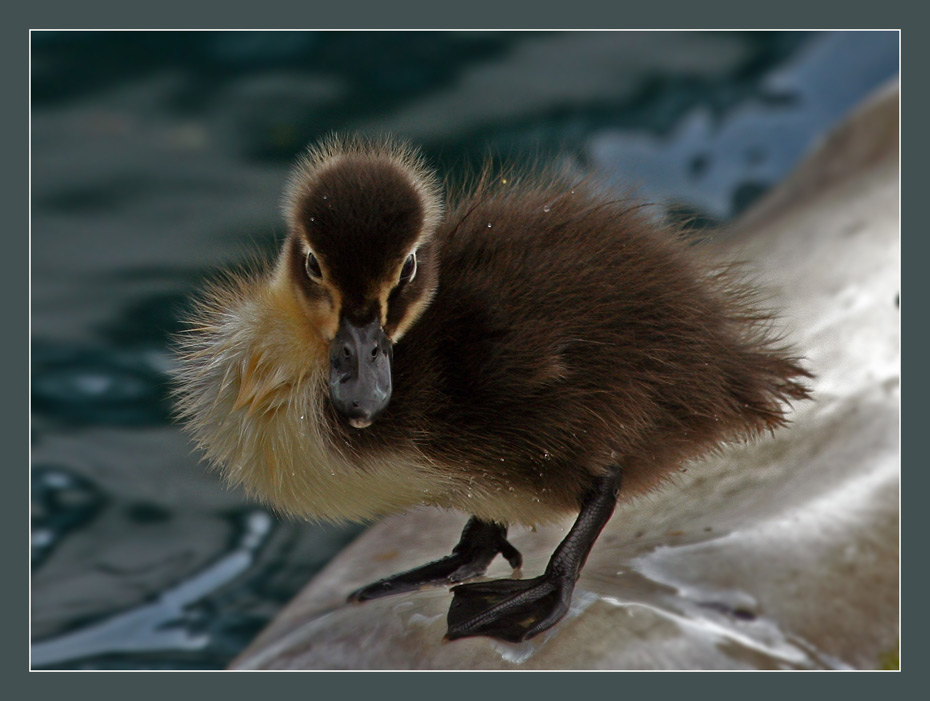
777,554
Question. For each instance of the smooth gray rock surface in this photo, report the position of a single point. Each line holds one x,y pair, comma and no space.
777,554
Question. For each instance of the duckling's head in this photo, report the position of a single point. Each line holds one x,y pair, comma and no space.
361,259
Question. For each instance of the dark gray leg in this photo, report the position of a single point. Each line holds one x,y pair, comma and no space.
517,609
480,543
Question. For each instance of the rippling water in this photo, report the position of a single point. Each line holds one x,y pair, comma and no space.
158,156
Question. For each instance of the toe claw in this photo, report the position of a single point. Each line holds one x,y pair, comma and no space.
375,590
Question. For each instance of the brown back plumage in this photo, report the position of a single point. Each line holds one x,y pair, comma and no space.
558,332
570,331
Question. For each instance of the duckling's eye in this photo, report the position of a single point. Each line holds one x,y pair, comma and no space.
409,271
312,266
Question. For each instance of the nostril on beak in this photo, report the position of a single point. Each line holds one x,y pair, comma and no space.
360,372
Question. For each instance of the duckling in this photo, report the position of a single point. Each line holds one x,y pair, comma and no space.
532,349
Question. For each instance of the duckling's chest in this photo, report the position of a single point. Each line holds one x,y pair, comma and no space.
304,465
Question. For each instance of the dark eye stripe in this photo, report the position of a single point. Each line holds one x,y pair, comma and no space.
312,266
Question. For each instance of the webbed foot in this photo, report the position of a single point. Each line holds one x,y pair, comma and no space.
509,609
517,609
479,545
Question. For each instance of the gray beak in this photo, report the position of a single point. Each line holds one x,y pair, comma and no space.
360,372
